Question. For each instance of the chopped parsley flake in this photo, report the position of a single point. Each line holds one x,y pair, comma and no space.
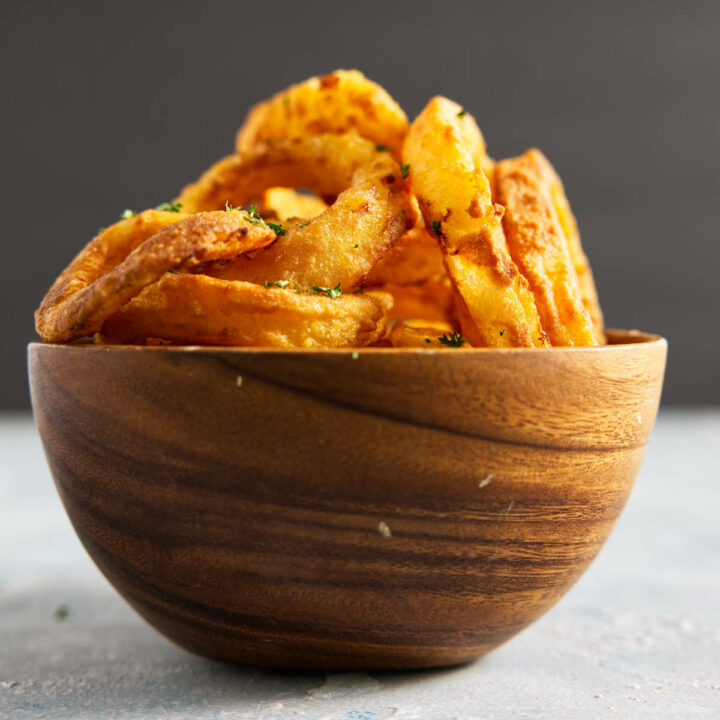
427,340
305,223
381,148
277,283
453,340
331,292
169,207
173,272
436,228
502,332
404,170
61,613
127,214
279,229
462,113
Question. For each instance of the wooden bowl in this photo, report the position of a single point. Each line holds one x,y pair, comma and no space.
343,510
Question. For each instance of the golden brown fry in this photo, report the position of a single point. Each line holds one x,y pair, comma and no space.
343,243
456,203
567,221
91,288
283,203
415,258
538,245
420,334
342,102
199,309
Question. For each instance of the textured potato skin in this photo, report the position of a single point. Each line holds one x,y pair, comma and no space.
540,249
341,102
456,203
586,283
92,288
199,309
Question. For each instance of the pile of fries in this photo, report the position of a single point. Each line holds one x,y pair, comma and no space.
336,223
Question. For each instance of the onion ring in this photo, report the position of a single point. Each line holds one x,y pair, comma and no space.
456,203
123,260
340,245
204,310
341,102
538,245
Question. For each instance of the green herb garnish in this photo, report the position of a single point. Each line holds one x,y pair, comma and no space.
305,223
404,170
61,613
453,340
279,229
381,148
427,340
127,214
462,113
502,332
169,207
436,228
277,283
331,292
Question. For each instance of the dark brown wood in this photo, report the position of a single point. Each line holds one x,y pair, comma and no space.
336,509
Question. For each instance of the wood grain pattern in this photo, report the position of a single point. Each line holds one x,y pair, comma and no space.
340,510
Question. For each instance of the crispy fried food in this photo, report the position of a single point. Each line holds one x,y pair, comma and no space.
580,262
538,245
283,203
199,309
133,254
456,203
342,102
415,258
331,211
428,301
343,243
419,333
324,164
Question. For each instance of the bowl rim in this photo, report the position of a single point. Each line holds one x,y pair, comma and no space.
618,340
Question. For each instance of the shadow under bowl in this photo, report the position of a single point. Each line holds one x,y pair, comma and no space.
342,509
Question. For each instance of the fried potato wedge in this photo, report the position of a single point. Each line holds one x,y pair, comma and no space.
199,309
415,258
456,202
551,179
344,101
283,203
540,249
419,334
133,254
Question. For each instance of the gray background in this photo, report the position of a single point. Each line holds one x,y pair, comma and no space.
108,106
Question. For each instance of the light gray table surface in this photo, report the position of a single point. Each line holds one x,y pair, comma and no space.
637,637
